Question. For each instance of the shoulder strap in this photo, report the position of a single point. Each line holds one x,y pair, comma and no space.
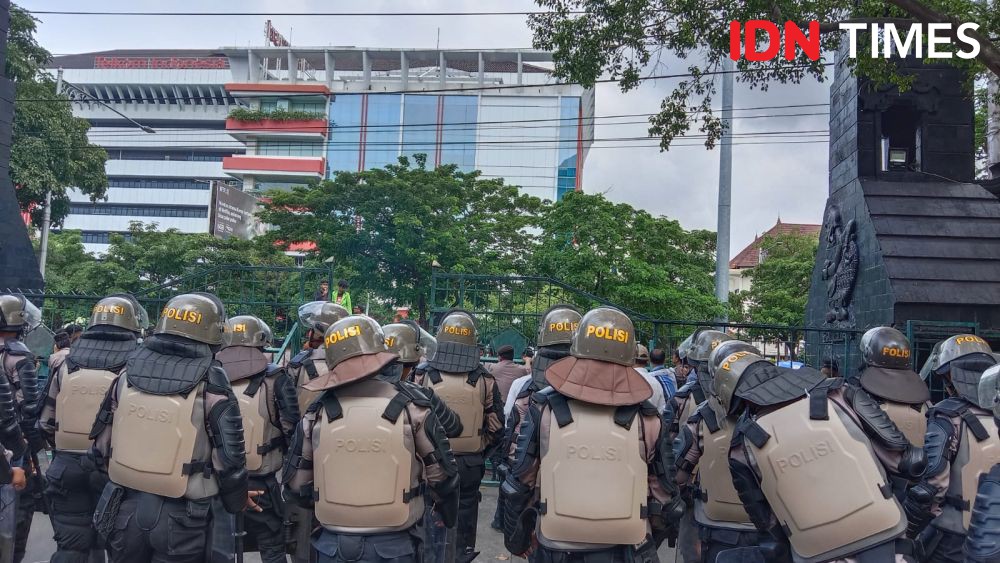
625,415
310,366
332,406
299,358
975,426
560,408
753,432
254,385
708,415
474,375
434,375
396,406
952,407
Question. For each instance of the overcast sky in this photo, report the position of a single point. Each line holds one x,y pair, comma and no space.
786,180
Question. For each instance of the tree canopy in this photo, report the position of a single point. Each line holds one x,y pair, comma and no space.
386,227
779,283
645,263
621,39
50,149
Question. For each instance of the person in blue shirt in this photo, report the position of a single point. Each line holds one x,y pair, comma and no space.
663,374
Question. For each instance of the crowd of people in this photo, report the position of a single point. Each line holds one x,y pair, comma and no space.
188,439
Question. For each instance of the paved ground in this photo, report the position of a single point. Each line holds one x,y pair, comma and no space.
490,542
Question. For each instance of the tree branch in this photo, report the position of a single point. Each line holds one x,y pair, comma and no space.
989,53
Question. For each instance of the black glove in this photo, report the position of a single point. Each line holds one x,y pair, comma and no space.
917,507
36,442
446,502
517,531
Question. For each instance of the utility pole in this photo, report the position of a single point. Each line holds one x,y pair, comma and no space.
725,186
43,253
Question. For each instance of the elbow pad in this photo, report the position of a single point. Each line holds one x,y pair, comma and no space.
227,433
11,435
28,378
287,402
450,422
913,463
875,422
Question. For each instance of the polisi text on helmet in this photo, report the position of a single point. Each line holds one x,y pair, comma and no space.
390,341
456,330
240,328
115,309
895,352
608,333
969,338
732,358
563,327
193,317
342,334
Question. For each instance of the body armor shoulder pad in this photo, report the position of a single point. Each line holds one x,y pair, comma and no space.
875,421
166,374
218,381
17,348
949,408
299,359
414,393
102,353
983,540
648,409
939,435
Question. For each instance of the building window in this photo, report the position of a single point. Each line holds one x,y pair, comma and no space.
138,210
420,126
381,130
158,183
100,237
289,148
569,130
344,144
180,155
458,131
293,105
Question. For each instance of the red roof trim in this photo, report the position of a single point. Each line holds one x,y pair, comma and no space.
750,256
277,87
273,164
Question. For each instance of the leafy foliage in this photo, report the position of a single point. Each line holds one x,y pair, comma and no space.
247,114
386,227
645,263
780,283
621,39
50,149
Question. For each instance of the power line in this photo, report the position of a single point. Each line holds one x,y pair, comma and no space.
297,14
459,91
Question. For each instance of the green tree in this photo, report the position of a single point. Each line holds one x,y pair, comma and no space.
645,263
621,38
385,227
779,284
50,149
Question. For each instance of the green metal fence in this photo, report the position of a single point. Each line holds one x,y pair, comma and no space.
509,308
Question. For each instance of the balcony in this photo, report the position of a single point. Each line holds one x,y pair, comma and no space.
312,129
276,168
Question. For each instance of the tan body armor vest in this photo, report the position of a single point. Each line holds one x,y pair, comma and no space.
306,397
80,396
366,474
261,436
911,422
717,504
468,402
159,443
594,480
974,457
824,483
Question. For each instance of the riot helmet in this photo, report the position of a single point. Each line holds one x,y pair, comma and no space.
558,325
885,347
684,348
886,354
17,314
120,310
730,363
457,343
198,316
701,349
725,349
607,335
410,342
989,390
963,359
320,315
355,349
248,331
600,368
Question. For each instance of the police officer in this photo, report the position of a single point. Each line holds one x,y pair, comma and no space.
555,334
810,460
961,444
704,442
455,375
982,545
689,393
269,410
316,316
170,437
888,378
73,396
600,490
18,316
366,451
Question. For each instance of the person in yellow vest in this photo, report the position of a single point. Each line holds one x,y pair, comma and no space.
170,437
961,444
703,442
456,376
368,454
269,410
590,481
73,396
812,461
